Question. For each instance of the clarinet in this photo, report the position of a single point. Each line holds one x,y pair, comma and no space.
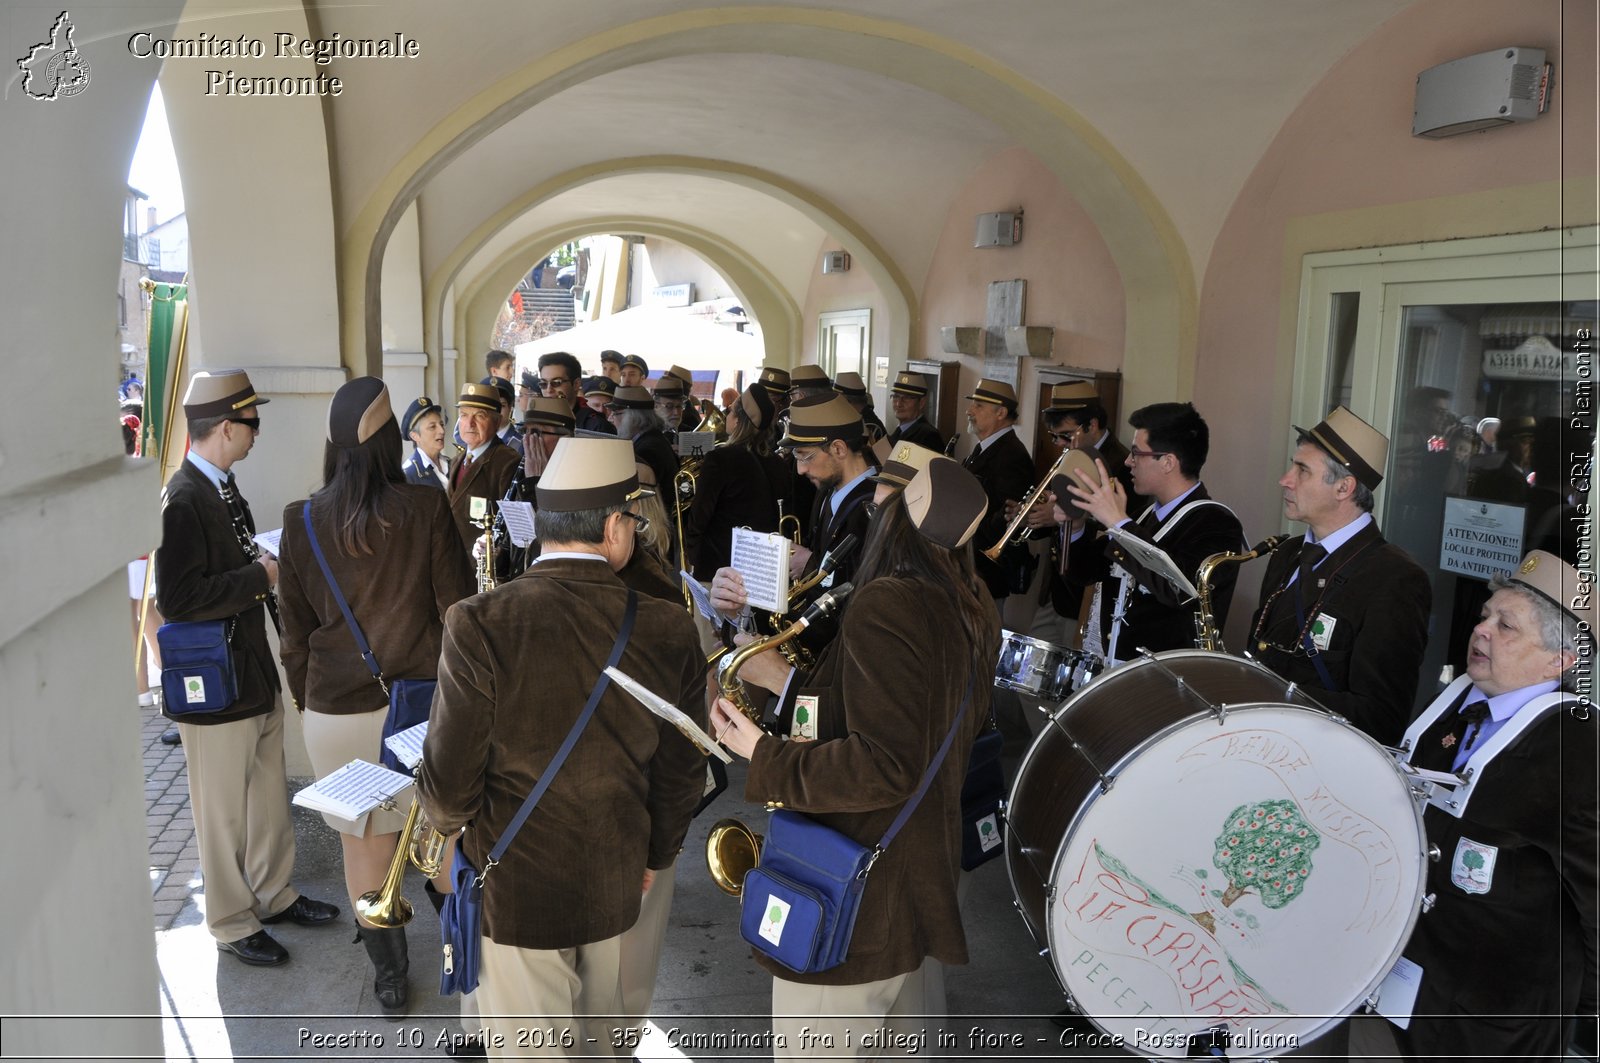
252,550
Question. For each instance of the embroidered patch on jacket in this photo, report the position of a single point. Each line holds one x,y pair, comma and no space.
772,923
804,724
1472,867
1322,631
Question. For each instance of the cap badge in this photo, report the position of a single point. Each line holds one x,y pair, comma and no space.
903,454
1530,564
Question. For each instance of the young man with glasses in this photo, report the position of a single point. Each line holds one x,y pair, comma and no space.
559,375
1134,607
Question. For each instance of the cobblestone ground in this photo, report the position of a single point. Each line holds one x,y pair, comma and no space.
169,824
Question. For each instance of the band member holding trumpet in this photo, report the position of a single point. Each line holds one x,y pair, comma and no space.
571,882
1134,607
395,554
920,632
1001,463
1343,613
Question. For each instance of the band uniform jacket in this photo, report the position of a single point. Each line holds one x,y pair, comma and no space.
203,573
1511,950
591,420
488,477
398,594
1158,616
1377,600
621,802
1066,589
730,491
882,697
919,432
418,473
1006,471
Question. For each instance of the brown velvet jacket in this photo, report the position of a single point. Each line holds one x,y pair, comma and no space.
398,593
488,478
517,666
887,691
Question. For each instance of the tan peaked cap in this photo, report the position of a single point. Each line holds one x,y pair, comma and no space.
816,422
219,393
479,397
913,384
1558,583
997,392
587,473
1073,395
1353,443
557,413
902,461
945,502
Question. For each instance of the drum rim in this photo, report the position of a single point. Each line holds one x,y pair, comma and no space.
1095,793
1007,636
1415,908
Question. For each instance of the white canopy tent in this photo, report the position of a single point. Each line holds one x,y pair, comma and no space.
662,336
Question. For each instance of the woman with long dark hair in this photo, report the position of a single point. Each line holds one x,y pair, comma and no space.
394,550
863,726
731,489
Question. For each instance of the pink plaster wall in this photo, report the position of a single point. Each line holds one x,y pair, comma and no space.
1349,146
853,289
1073,283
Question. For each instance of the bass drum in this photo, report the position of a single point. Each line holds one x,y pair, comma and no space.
1199,843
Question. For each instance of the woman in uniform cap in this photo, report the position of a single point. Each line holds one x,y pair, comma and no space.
919,634
394,550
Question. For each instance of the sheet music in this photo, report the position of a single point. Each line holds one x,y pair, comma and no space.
701,596
269,540
354,790
407,745
691,444
762,558
519,522
669,712
1155,559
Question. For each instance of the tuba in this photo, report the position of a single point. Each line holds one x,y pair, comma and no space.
1206,635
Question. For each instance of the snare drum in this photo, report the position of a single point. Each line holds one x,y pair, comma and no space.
1199,843
1042,669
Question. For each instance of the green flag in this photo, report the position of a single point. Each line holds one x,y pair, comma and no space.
169,328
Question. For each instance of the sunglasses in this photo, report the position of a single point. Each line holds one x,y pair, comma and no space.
1065,437
557,382
253,422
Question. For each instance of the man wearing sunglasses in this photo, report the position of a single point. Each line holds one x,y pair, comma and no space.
207,568
559,377
1135,608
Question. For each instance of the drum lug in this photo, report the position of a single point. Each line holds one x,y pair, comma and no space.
1428,901
1291,691
1434,853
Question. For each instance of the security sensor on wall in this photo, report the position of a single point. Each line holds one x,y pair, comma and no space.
1001,229
836,262
1479,91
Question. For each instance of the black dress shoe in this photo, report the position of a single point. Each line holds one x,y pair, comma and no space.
171,737
463,1047
306,912
258,950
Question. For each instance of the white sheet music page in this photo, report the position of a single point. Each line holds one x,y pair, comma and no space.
519,522
407,745
353,790
269,540
762,558
1397,994
702,597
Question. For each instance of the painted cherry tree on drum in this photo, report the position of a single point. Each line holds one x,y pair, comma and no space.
1264,847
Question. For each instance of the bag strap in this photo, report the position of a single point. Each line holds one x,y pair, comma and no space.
344,606
549,774
927,778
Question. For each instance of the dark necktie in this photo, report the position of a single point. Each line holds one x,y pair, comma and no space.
1310,557
462,469
1470,724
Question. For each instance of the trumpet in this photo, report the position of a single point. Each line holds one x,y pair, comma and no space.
683,487
1206,635
419,845
789,521
728,667
993,553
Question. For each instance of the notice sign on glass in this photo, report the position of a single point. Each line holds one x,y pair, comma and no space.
1480,539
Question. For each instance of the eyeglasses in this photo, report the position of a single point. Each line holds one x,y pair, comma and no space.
553,383
640,519
871,509
253,422
804,455
1136,453
1066,437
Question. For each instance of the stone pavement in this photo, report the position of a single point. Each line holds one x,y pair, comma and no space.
169,825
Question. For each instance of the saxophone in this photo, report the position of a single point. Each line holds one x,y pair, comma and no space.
484,518
728,667
1206,635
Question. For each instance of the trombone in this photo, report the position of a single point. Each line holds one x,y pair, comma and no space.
993,553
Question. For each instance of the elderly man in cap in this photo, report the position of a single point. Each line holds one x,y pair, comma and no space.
634,373
1343,613
908,398
671,397
485,470
207,568
689,415
809,382
618,808
633,412
1001,462
559,378
423,423
510,433
776,383
1508,950
596,393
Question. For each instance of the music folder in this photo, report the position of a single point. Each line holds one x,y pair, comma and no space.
669,712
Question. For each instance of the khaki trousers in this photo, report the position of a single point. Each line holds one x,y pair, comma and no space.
641,948
850,1021
531,1000
239,796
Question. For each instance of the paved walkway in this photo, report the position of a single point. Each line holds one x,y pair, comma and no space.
169,825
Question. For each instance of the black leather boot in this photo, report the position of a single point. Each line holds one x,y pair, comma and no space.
435,898
386,948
